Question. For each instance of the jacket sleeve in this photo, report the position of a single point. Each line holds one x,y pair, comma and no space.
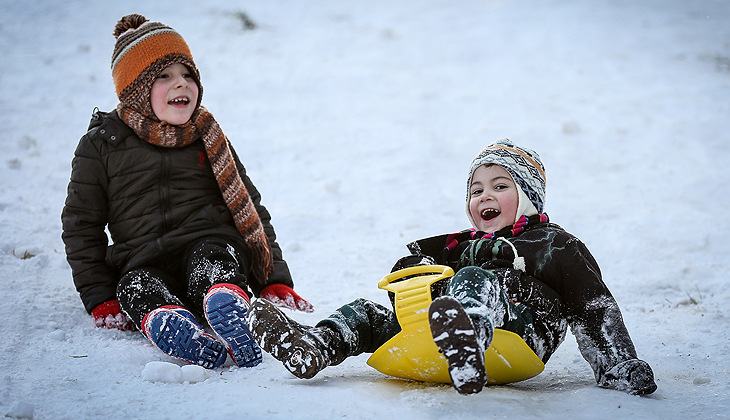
84,219
281,272
592,312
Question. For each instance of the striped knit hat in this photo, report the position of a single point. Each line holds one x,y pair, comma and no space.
142,51
526,169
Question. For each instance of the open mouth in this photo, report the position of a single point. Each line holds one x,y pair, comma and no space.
179,101
489,214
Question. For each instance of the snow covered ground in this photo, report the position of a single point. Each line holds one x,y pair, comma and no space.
357,121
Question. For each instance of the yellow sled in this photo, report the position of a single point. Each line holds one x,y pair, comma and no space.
412,354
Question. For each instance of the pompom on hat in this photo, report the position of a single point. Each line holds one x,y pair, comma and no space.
142,51
526,169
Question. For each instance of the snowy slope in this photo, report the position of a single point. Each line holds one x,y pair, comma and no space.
357,121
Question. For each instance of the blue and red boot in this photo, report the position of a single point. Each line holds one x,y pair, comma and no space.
226,306
175,331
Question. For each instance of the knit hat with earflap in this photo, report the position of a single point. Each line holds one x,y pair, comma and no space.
526,169
142,51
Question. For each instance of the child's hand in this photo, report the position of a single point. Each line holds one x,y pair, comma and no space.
633,376
283,295
110,315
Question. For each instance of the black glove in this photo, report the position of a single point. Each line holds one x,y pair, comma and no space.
633,376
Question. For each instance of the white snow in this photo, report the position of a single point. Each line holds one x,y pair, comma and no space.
21,410
357,121
172,373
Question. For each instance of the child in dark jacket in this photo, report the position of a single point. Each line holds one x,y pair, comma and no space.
190,238
514,270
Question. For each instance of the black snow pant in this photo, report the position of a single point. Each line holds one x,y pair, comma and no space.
365,325
209,262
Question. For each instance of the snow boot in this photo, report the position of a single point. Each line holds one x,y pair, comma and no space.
226,306
175,331
455,335
303,350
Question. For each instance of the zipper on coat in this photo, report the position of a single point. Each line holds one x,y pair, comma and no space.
165,192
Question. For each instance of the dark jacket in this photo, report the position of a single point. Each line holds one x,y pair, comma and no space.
563,264
155,202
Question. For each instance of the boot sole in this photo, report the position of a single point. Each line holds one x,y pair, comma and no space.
226,315
176,336
455,336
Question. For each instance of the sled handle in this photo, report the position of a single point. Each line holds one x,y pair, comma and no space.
413,293
442,271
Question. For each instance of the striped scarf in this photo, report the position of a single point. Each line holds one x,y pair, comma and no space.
217,147
508,232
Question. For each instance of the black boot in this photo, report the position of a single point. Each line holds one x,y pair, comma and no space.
455,335
303,350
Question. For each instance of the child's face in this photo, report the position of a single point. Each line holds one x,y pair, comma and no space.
174,95
493,198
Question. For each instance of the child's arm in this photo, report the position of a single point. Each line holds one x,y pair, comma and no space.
84,218
597,324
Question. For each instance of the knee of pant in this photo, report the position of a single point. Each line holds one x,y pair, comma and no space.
139,291
214,250
472,273
215,261
470,278
140,279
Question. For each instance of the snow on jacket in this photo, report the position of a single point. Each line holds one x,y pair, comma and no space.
563,263
155,203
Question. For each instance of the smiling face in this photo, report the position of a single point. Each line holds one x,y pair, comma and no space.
493,198
174,95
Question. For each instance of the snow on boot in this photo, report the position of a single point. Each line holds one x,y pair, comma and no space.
633,376
226,306
455,336
302,349
175,331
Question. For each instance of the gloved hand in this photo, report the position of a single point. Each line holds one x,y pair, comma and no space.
110,315
283,295
633,376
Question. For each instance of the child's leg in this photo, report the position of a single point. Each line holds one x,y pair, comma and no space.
462,324
214,270
210,262
141,291
145,296
479,293
361,326
303,350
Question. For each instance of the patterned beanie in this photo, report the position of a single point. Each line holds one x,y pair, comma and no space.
142,51
526,169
